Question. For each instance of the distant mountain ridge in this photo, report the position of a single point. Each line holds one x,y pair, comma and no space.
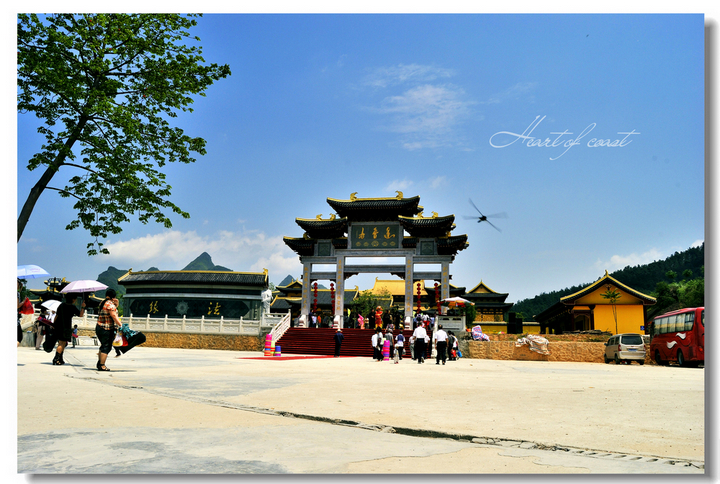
204,263
110,277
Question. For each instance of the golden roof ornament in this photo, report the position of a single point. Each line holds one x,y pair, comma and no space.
318,217
435,215
420,215
399,194
353,196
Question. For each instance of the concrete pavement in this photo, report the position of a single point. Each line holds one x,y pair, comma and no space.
207,411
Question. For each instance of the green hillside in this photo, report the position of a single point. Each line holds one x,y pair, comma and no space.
643,278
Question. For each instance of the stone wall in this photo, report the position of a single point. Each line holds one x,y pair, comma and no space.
197,341
590,352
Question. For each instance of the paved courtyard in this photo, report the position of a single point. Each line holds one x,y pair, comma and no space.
207,411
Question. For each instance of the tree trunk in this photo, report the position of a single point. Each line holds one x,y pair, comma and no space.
47,176
31,199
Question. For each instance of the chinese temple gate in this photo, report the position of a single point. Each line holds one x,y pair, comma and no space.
376,227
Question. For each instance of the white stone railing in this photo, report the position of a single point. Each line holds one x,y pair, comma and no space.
247,327
279,329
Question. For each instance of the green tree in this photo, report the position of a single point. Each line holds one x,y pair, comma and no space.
367,301
103,88
612,296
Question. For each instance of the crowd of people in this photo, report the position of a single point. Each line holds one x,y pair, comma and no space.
388,342
53,329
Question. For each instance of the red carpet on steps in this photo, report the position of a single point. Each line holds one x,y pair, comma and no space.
319,341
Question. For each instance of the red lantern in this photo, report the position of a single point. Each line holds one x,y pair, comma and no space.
419,303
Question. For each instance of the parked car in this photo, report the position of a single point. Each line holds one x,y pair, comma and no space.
626,347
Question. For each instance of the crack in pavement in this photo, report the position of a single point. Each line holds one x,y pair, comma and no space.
413,432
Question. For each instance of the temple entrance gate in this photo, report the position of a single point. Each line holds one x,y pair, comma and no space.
375,227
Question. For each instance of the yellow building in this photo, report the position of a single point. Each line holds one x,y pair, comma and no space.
593,308
489,305
395,288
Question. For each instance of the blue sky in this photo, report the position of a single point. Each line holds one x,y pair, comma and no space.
322,106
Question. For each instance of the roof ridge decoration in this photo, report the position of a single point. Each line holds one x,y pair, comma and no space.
355,198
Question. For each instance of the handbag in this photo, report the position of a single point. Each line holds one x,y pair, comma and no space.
27,307
119,340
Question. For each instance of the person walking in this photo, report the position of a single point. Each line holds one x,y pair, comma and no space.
63,324
420,336
107,324
373,342
39,328
389,337
380,343
399,347
440,340
452,346
338,341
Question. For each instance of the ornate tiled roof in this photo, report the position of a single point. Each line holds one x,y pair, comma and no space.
376,209
452,245
194,277
300,245
607,279
427,226
323,229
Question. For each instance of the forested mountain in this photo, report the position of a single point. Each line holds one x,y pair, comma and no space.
643,278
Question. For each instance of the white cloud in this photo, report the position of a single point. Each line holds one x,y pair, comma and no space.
617,262
399,185
405,184
425,115
438,182
426,108
697,243
514,92
384,77
420,105
250,251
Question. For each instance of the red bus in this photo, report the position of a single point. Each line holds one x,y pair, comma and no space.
679,336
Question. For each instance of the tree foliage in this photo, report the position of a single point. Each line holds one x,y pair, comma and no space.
104,88
367,301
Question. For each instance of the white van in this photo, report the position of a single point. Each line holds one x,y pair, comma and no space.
626,347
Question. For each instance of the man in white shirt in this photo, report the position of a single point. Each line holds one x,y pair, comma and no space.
420,336
440,338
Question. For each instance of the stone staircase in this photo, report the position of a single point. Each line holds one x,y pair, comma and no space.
319,341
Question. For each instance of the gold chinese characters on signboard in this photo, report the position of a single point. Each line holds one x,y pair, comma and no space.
376,236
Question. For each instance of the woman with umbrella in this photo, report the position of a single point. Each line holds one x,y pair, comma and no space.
63,324
107,324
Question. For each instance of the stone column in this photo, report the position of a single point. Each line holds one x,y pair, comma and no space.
445,284
305,308
408,291
340,290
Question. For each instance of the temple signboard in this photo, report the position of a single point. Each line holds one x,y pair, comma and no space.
376,236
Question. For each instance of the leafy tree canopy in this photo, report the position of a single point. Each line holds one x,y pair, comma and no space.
104,87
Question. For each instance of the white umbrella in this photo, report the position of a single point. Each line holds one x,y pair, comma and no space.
51,305
456,301
84,285
31,272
